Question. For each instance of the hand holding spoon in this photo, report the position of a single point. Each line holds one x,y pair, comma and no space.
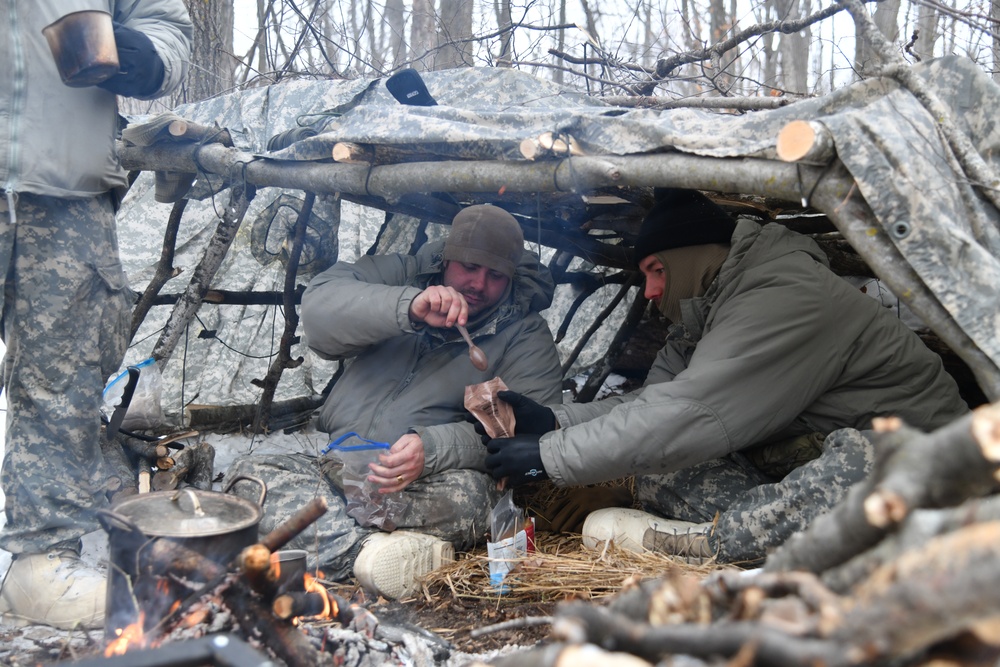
477,356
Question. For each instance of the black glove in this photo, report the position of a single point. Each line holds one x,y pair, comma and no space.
140,69
518,459
529,416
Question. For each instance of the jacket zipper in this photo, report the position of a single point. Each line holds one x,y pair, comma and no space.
16,107
403,384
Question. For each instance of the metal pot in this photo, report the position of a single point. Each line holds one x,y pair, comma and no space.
142,528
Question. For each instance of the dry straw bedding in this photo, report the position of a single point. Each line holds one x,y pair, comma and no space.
559,569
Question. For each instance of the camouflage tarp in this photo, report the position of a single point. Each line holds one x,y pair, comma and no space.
886,139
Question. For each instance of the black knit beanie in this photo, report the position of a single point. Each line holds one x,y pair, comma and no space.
485,235
682,218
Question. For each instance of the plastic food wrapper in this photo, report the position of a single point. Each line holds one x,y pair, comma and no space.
364,502
512,537
144,410
496,415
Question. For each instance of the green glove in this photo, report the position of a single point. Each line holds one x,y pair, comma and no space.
567,513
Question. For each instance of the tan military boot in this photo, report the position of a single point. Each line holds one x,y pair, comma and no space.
638,531
56,589
391,564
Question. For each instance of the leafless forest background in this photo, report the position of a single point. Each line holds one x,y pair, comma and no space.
677,52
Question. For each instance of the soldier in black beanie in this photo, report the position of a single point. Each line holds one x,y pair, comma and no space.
681,245
753,419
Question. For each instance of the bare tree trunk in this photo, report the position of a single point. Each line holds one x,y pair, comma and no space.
995,15
376,56
794,48
927,24
211,53
422,34
455,28
395,21
648,36
720,24
502,9
557,74
866,57
263,9
770,65
591,28
886,17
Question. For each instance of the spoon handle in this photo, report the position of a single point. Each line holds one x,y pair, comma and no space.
465,334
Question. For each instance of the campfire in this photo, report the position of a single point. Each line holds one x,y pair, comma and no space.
175,593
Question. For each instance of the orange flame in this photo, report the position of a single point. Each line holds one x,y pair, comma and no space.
130,636
276,565
313,585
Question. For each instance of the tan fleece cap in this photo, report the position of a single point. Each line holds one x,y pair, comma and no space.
485,235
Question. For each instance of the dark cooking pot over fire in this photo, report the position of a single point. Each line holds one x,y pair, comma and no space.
148,536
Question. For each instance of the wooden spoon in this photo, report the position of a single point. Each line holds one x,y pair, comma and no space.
477,356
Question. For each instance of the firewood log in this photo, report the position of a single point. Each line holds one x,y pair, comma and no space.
259,571
149,451
282,638
193,465
915,470
304,603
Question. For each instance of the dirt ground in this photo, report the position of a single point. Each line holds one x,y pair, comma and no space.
454,620
450,620
451,613
446,619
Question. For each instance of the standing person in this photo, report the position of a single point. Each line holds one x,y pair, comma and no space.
747,426
393,317
66,303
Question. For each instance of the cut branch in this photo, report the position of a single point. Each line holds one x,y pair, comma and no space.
164,267
915,470
806,141
832,194
216,251
284,359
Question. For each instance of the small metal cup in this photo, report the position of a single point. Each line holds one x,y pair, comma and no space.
292,564
83,46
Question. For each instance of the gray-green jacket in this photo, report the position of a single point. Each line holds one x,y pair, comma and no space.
60,141
780,346
401,378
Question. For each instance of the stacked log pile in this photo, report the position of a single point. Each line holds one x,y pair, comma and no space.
901,572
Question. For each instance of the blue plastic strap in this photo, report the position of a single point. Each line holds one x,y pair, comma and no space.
370,444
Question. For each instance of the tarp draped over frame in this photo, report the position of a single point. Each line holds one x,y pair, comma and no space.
889,143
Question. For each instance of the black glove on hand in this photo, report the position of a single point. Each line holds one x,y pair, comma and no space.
140,69
529,416
518,459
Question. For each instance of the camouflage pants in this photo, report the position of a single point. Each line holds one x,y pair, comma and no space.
66,318
757,513
453,505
